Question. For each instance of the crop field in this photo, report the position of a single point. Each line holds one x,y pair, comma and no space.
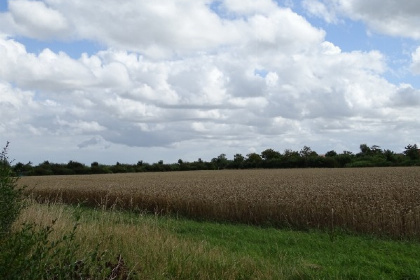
380,201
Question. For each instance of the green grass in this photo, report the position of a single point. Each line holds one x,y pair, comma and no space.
177,248
311,254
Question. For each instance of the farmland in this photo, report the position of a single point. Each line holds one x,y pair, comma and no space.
380,201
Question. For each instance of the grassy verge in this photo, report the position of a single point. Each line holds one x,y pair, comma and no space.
173,248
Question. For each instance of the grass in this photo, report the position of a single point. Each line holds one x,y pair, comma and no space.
311,254
164,247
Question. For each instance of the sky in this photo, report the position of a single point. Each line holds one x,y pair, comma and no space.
122,81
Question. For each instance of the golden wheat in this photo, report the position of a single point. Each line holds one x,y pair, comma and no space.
383,201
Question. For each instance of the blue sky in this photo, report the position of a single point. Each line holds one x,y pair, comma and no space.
74,48
93,81
3,6
353,36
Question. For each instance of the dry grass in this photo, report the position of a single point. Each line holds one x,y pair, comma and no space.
149,251
384,201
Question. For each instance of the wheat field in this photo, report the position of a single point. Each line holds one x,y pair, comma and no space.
380,201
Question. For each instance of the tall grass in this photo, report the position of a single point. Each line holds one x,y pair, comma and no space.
381,201
149,251
10,195
161,247
29,251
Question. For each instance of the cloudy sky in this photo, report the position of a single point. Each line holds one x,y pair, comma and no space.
109,80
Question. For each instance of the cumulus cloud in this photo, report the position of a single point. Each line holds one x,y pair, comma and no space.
178,75
393,17
160,29
249,7
320,9
94,141
149,103
406,96
13,103
35,19
415,65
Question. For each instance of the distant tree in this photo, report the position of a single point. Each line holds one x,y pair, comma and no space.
220,162
292,159
94,164
43,169
253,157
21,169
253,160
74,164
238,158
369,156
180,161
307,152
412,152
18,166
331,153
376,149
288,153
222,157
389,155
270,154
344,159
198,165
118,168
365,150
77,167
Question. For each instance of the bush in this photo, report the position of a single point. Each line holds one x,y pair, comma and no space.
30,252
10,195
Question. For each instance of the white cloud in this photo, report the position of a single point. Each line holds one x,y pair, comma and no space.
154,28
392,17
37,20
163,29
250,7
415,65
397,18
320,9
406,96
14,105
48,70
177,75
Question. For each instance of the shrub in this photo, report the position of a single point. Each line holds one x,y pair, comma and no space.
30,252
10,195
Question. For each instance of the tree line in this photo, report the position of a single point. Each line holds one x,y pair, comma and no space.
372,156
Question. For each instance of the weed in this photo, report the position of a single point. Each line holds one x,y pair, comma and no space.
30,252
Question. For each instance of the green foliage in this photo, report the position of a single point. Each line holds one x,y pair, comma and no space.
331,153
412,152
220,162
10,194
270,154
253,160
29,253
21,169
269,158
365,150
307,152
